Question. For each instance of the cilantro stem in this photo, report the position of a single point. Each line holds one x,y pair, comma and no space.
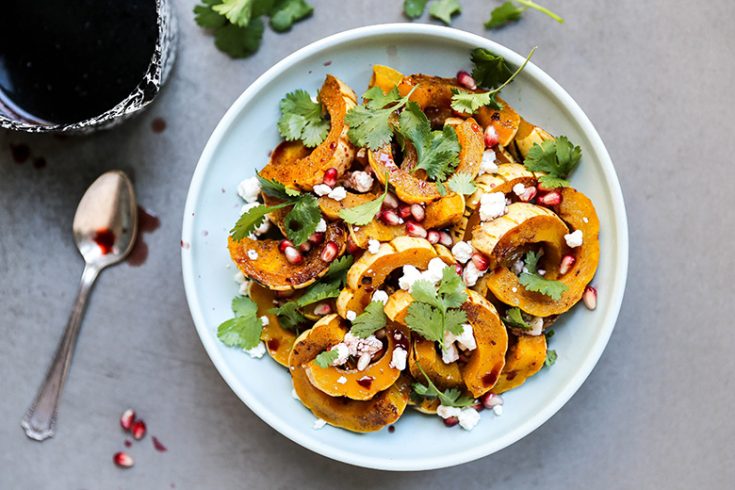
515,74
533,5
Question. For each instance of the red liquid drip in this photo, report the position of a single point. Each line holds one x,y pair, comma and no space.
147,223
20,152
490,378
391,429
365,382
105,239
158,125
273,344
158,445
39,163
128,443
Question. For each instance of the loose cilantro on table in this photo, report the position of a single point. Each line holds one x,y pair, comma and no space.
370,123
287,12
369,321
489,70
462,183
444,10
413,9
558,158
550,358
510,12
535,282
435,310
244,329
364,213
302,119
514,318
326,358
451,397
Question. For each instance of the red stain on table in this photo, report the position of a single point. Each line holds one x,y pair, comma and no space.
21,152
148,222
158,125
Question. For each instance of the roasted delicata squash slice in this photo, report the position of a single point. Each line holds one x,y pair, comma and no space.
506,121
385,77
529,135
507,175
269,267
578,212
472,146
375,230
355,415
351,383
335,151
525,357
444,212
425,405
278,340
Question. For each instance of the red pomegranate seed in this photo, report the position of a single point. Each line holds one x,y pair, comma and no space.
491,137
390,201
415,230
478,406
329,252
138,430
528,194
418,212
445,238
458,268
566,264
466,80
323,309
127,418
159,445
490,400
404,211
480,261
330,177
292,255
552,198
305,247
390,217
317,237
433,236
352,246
123,460
590,298
451,421
283,244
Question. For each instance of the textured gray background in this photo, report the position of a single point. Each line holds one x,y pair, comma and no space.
654,76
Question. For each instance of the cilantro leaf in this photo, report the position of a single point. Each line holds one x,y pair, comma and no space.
452,289
469,102
206,17
287,12
370,320
288,315
549,333
238,12
243,306
490,69
302,220
370,123
238,41
551,182
504,14
514,318
326,358
558,158
452,397
244,329
454,321
413,9
531,261
426,321
433,310
375,98
319,292
424,291
338,269
301,119
253,218
364,213
550,358
437,151
462,183
444,10
535,282
273,188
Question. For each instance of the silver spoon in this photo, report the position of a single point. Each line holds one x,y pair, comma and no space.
105,227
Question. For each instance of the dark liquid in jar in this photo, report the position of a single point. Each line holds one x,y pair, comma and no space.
67,61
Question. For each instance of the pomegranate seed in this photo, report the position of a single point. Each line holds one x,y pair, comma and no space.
458,268
480,261
466,80
490,400
284,243
445,238
305,247
415,230
323,309
127,418
159,445
292,255
352,246
478,406
123,460
433,236
418,212
138,430
317,237
552,198
590,297
390,201
390,217
491,137
330,177
528,194
451,421
404,211
566,264
329,252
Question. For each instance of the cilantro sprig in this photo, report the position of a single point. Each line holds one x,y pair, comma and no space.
489,68
514,318
558,158
435,310
326,358
462,183
451,397
244,329
369,321
364,213
302,119
510,12
443,10
535,282
370,123
550,358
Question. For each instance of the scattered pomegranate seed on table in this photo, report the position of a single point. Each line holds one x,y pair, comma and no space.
138,430
127,418
123,459
451,421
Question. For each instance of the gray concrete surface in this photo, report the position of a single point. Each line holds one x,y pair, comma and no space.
656,79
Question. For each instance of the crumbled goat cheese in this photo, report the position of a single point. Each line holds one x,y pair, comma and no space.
517,267
341,380
469,418
410,275
257,352
380,296
434,271
249,189
338,193
351,315
492,206
373,246
488,165
343,353
321,227
318,424
449,353
471,274
447,412
264,226
519,189
465,340
245,288
462,251
537,326
252,254
498,410
398,360
239,277
574,239
357,346
359,181
322,189
265,320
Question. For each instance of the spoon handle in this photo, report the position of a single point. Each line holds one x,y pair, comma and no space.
40,420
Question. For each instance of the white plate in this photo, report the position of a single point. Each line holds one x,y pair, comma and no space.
240,145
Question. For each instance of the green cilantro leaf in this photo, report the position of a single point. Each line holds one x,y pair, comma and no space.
370,320
433,310
364,213
206,17
288,315
338,268
558,158
549,333
490,69
550,358
370,123
375,98
326,358
302,220
452,289
444,10
451,397
537,283
504,14
514,318
530,261
424,291
319,292
437,151
273,188
244,329
462,183
288,12
302,119
454,321
238,12
469,102
253,218
238,41
426,321
413,9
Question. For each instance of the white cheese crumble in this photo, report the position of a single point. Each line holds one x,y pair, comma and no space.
341,380
338,193
519,189
537,326
264,226
318,424
471,274
245,288
257,352
488,165
574,239
462,251
449,353
321,227
373,246
498,410
265,320
351,315
322,189
465,340
435,270
492,206
410,275
517,267
360,181
514,289
343,353
398,359
446,412
380,296
249,189
357,346
239,277
252,254
469,418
